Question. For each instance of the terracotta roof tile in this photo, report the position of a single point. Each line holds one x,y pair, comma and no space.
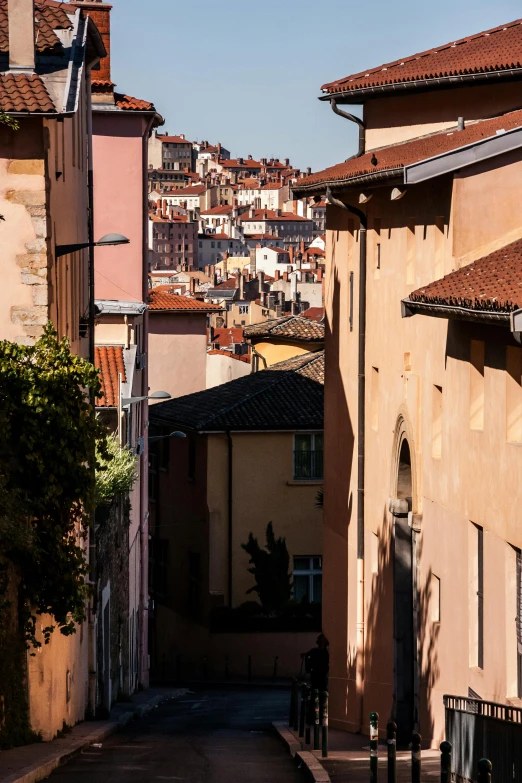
162,301
393,159
48,17
240,357
227,336
286,396
493,283
128,103
498,49
271,214
291,327
109,360
22,92
174,140
193,190
314,313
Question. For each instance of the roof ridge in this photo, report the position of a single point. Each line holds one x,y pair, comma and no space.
255,393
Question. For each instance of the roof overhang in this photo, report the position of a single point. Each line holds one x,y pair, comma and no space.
117,307
446,162
492,317
363,94
429,168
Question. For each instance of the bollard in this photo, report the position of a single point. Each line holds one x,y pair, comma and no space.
250,673
226,668
316,719
274,675
445,762
293,702
324,735
296,710
308,710
416,757
391,740
302,712
374,746
484,771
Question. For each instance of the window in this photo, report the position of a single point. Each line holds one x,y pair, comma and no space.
476,386
243,309
308,456
436,422
514,394
308,579
476,595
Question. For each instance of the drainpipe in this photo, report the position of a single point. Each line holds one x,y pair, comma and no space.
361,391
230,517
358,121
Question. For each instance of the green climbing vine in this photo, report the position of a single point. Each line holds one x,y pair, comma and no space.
116,470
47,477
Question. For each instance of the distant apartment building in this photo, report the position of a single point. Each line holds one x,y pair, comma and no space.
164,180
317,211
271,195
206,151
212,248
171,153
174,243
289,227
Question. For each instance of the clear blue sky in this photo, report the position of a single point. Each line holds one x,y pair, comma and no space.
248,74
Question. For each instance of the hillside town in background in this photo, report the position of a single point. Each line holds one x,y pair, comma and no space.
306,417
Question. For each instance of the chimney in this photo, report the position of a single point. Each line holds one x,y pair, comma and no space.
319,276
287,161
277,274
192,285
301,246
182,135
241,286
285,276
21,35
291,254
261,279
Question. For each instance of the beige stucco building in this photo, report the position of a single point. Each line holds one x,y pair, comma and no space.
252,455
423,400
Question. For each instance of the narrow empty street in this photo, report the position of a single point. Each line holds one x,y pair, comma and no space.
205,737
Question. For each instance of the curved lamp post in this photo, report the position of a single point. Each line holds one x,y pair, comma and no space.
176,434
105,241
157,395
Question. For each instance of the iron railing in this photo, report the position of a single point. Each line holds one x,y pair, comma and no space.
308,464
484,729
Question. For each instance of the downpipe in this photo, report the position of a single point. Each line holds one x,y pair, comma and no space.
362,128
361,411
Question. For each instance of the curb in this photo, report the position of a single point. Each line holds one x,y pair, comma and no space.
42,769
312,767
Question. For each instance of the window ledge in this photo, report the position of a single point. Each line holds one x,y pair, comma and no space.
305,482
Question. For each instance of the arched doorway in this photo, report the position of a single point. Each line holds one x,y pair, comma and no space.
403,603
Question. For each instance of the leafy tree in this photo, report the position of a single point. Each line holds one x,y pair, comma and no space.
116,470
47,476
270,568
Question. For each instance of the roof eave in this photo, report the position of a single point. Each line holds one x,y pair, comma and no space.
495,318
422,85
348,182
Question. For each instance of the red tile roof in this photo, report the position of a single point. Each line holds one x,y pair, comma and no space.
194,190
271,214
127,103
242,358
227,336
174,302
48,17
173,140
391,160
215,236
314,314
109,360
279,250
498,49
22,92
493,283
234,163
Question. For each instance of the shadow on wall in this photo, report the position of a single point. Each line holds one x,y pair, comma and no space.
338,501
380,669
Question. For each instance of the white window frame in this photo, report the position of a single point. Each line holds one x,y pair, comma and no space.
313,451
309,572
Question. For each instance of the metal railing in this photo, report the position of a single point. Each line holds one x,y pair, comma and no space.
484,729
308,464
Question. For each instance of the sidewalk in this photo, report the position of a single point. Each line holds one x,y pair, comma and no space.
349,758
32,763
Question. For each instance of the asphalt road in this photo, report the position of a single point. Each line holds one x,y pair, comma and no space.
205,737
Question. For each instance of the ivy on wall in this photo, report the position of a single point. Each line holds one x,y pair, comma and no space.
116,471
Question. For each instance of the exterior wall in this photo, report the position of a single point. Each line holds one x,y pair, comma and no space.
174,243
274,352
212,250
472,481
221,369
398,118
119,271
177,352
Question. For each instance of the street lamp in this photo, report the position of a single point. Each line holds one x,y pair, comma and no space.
105,241
157,395
176,434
